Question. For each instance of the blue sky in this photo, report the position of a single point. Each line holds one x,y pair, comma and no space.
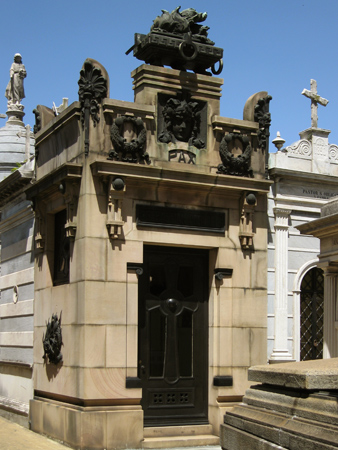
269,45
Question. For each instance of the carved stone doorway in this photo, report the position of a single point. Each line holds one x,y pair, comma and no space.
173,336
312,315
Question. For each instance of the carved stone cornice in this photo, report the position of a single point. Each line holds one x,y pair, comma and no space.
202,182
68,171
65,181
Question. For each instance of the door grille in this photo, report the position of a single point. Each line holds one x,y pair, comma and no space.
312,315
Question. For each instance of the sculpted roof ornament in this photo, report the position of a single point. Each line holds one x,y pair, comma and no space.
315,99
182,22
177,39
15,91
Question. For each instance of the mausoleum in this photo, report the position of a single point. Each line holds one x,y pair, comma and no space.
17,261
150,250
305,179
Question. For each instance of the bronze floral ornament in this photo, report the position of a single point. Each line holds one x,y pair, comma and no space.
52,340
128,151
239,165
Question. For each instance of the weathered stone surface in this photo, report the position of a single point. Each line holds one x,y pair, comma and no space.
238,439
301,375
320,406
331,207
264,428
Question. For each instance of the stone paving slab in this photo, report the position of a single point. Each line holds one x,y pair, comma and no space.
16,437
205,447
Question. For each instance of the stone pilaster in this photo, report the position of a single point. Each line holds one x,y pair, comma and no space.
280,352
330,349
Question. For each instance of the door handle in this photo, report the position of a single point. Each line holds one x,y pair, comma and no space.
142,368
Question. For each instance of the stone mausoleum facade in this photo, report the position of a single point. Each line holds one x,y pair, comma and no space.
150,258
17,266
305,179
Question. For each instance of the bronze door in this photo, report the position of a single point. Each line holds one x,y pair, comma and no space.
312,315
173,335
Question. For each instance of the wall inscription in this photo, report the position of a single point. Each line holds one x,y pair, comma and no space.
318,193
314,191
182,156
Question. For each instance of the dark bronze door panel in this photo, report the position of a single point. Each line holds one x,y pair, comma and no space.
173,335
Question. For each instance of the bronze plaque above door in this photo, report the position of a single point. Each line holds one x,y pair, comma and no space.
173,335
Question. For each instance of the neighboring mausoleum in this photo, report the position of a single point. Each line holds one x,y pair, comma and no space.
305,178
17,261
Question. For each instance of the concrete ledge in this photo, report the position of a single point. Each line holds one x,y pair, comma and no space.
237,439
14,406
299,375
256,428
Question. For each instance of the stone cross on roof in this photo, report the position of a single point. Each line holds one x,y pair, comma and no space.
315,99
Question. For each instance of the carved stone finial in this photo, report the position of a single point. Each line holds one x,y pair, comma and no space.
92,90
263,117
52,340
278,142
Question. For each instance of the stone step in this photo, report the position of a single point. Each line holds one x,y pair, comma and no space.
180,441
182,430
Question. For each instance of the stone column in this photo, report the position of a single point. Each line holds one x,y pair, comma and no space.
280,351
330,347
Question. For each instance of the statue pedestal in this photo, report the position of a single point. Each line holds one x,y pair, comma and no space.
294,407
15,115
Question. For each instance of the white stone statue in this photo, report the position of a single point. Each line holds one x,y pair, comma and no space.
15,90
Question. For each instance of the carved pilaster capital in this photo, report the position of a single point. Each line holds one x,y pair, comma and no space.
283,212
281,217
331,270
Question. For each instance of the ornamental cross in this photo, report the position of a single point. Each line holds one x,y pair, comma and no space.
315,99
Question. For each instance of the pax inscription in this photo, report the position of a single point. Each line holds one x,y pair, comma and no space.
182,156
